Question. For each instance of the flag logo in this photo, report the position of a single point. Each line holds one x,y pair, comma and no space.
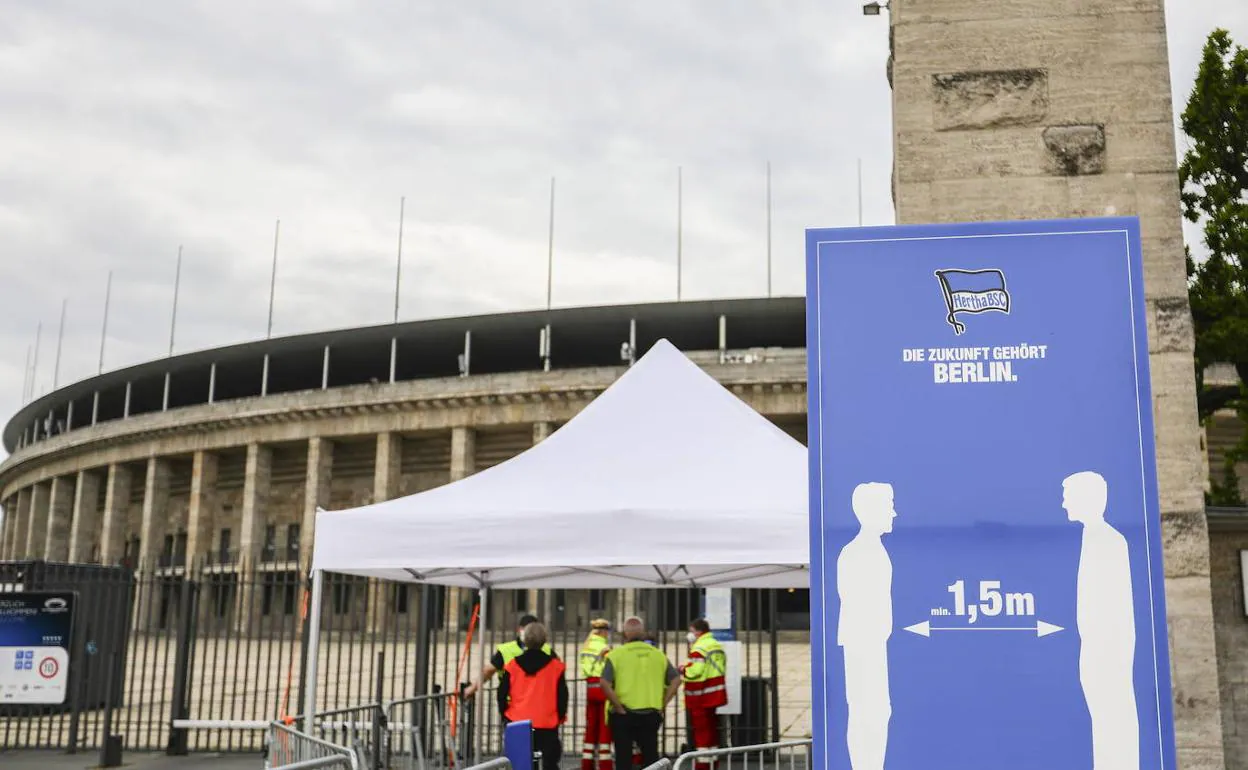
972,291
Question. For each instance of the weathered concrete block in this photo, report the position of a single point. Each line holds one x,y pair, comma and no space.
1006,152
1172,330
1184,540
1076,150
982,199
1139,148
992,99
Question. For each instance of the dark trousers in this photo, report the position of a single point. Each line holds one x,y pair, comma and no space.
547,742
641,728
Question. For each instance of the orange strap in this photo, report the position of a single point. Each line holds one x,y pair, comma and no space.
287,718
463,661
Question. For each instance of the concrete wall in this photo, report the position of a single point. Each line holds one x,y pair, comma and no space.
1055,108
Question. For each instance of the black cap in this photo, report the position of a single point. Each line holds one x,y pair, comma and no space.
526,619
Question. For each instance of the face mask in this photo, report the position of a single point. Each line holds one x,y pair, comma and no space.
692,637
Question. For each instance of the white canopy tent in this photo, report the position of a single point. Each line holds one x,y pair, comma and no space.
664,480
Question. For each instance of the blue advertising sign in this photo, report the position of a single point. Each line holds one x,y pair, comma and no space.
35,633
986,562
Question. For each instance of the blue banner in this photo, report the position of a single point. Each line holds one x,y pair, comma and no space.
35,633
986,566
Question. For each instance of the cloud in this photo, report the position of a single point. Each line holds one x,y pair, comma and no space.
134,127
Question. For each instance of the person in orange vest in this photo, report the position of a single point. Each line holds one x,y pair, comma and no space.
596,751
536,689
705,690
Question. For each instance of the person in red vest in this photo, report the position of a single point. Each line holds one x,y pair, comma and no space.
536,690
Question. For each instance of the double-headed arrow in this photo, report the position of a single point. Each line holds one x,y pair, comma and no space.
1040,628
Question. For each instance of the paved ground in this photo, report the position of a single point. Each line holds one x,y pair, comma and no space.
56,760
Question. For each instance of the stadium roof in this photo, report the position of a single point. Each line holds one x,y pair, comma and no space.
501,342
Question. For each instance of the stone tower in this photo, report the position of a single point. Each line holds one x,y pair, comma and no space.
1032,109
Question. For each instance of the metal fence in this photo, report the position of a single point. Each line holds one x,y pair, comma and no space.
204,658
289,749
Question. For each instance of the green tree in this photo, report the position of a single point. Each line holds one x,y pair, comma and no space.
1214,178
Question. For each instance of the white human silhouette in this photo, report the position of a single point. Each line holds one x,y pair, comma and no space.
864,581
1105,614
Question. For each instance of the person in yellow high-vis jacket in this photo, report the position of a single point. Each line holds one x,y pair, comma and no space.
596,751
639,681
705,691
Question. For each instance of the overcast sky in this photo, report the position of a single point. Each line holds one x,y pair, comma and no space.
130,128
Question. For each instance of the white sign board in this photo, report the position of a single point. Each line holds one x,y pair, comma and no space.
719,608
732,678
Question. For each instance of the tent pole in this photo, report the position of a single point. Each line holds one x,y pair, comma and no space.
479,733
314,642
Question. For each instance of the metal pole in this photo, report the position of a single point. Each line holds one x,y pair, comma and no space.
26,374
34,366
768,228
773,621
479,732
379,715
679,227
314,641
550,248
177,280
108,292
277,231
398,271
60,337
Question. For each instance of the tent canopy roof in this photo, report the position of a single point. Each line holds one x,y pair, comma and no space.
665,479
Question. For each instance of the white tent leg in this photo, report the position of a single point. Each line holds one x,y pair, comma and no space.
479,733
314,644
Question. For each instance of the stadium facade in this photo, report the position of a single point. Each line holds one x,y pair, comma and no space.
216,461
222,457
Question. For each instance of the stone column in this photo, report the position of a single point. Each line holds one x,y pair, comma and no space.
541,430
386,474
10,522
202,507
386,478
10,527
316,492
113,522
60,511
154,523
85,531
256,482
37,533
463,452
21,523
1032,109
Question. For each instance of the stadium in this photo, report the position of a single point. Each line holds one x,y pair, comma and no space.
204,471
199,475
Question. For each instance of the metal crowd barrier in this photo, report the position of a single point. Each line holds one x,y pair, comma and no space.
361,728
420,734
289,749
783,755
501,763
